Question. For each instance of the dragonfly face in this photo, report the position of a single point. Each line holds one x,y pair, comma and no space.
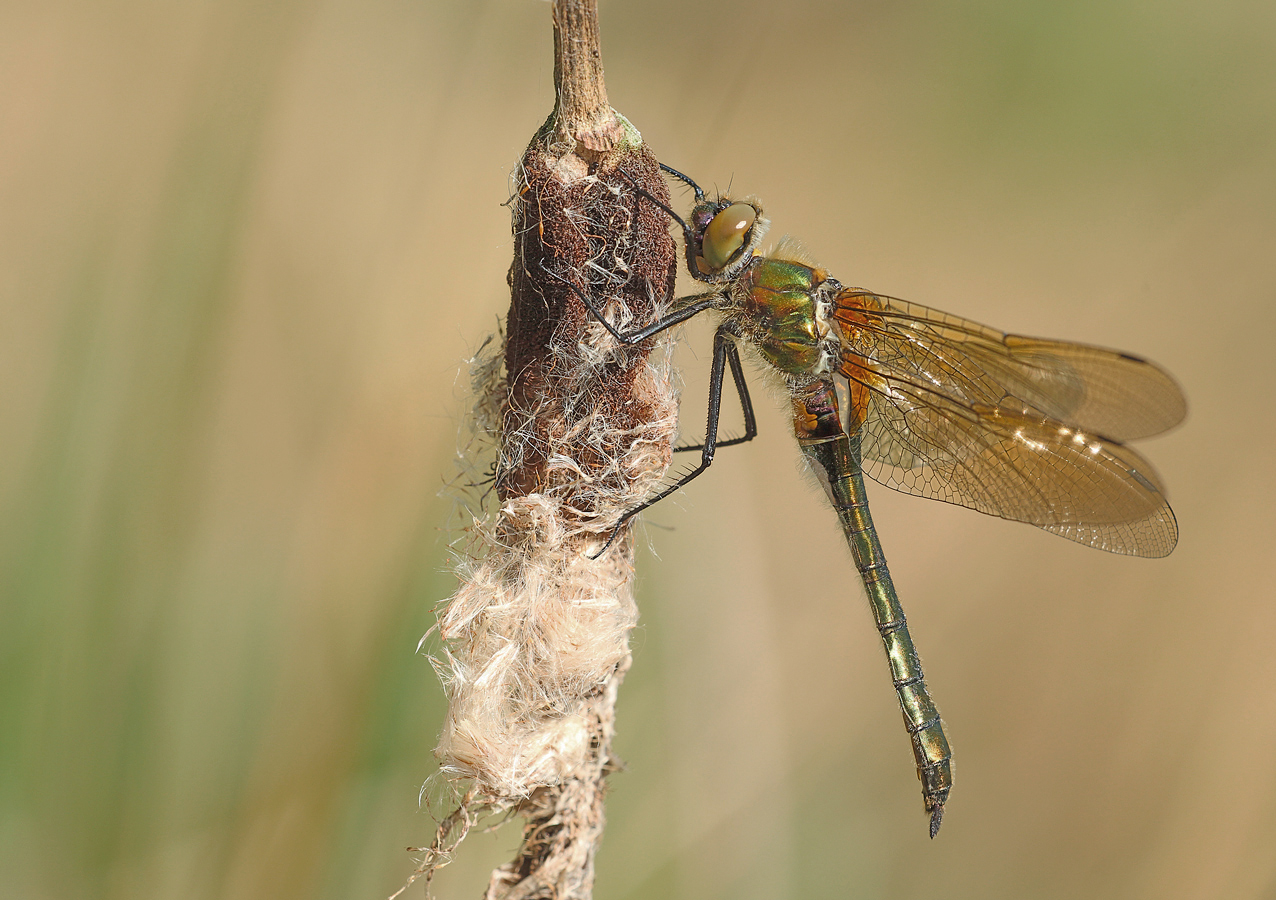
1023,428
725,235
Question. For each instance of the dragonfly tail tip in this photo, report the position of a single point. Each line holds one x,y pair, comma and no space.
936,819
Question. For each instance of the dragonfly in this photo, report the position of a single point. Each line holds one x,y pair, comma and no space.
927,403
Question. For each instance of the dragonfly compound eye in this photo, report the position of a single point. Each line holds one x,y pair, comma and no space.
726,234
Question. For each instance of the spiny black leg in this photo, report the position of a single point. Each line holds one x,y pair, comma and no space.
700,304
723,345
733,355
690,245
642,192
684,178
746,405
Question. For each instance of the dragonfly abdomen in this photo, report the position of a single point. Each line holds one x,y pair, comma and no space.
836,454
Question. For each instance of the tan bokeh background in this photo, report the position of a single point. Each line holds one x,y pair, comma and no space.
245,250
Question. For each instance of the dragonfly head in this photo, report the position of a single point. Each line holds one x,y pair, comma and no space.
724,234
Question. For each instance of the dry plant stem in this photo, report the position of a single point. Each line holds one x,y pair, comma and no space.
581,112
536,638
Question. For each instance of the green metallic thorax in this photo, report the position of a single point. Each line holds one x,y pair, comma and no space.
781,306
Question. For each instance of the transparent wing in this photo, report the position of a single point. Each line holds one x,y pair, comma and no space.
1021,428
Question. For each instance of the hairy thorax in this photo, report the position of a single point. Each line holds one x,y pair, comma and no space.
783,309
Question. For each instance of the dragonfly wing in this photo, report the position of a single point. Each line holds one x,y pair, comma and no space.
954,411
1101,391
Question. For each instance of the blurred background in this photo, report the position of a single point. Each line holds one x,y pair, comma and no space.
246,249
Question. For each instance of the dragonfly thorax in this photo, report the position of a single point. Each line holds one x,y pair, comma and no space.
783,308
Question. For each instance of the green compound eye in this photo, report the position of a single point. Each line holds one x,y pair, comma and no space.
726,234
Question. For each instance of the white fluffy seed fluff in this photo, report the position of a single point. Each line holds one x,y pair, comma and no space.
537,629
535,641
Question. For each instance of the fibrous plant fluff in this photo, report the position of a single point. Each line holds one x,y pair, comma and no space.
535,641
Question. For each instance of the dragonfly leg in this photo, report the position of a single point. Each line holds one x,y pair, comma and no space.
686,179
643,192
724,350
746,404
696,303
691,246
